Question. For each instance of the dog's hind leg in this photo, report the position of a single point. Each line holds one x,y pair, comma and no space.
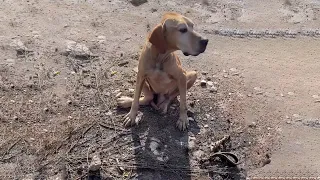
126,102
191,77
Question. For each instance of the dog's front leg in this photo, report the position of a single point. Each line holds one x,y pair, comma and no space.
130,118
183,122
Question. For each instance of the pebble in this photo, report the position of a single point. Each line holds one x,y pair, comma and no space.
198,154
258,90
253,124
131,90
204,72
95,163
208,115
210,83
291,93
289,122
296,115
15,118
191,145
138,2
203,83
315,96
119,94
282,95
206,126
77,49
213,89
123,63
190,119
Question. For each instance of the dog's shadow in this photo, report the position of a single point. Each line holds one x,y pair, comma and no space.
161,149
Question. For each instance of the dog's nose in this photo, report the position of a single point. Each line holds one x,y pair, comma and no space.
204,42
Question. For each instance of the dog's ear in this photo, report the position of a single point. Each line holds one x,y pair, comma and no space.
157,38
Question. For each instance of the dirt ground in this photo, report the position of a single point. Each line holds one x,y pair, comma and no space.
64,63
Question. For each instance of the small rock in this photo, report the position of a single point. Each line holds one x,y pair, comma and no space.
102,39
253,124
69,117
315,96
69,102
282,95
86,82
154,10
258,90
18,45
210,83
206,126
267,161
213,89
198,154
191,145
45,109
15,118
190,119
204,72
123,63
203,83
289,122
131,90
296,115
234,71
225,76
77,49
291,93
95,163
207,116
249,95
138,2
119,94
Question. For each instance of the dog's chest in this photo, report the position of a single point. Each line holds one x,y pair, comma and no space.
159,79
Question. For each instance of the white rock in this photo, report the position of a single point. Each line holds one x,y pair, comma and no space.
291,93
95,163
131,90
77,49
213,89
18,45
210,83
190,119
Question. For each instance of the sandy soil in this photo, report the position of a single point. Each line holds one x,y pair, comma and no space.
63,64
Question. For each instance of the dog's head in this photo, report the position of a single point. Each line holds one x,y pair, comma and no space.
175,32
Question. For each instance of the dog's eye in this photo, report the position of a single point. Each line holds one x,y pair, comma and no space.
184,30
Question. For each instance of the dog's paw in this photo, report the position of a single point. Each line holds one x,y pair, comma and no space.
132,118
124,101
183,122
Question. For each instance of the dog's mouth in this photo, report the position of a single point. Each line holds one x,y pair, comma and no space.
187,54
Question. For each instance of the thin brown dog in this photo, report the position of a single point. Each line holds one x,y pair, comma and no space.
160,71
